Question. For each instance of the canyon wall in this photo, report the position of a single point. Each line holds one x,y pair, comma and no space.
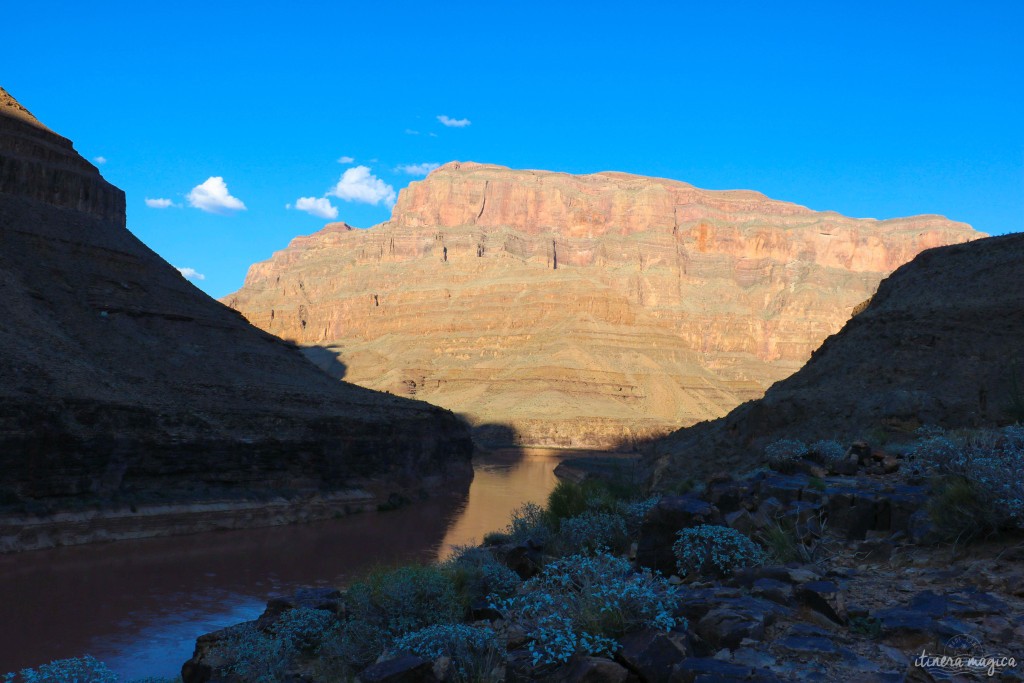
122,385
940,344
578,311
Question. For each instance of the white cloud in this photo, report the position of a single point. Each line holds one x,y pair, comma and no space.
345,160
100,160
159,203
410,131
317,207
418,169
191,274
453,123
212,196
359,185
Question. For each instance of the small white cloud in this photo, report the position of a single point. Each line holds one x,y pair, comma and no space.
191,274
433,135
453,123
418,169
213,197
345,160
159,203
357,184
321,207
100,160
410,131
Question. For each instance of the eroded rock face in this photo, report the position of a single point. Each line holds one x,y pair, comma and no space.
120,381
939,344
579,310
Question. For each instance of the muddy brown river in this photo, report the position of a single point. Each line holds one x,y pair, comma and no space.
139,605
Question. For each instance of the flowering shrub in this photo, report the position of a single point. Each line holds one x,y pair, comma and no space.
828,451
784,453
474,652
715,550
582,603
592,531
85,669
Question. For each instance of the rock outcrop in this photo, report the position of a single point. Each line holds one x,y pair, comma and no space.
123,386
939,344
581,311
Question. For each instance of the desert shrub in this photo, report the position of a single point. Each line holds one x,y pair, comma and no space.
85,669
634,512
474,652
404,599
355,645
784,453
980,480
711,550
567,499
477,573
592,531
583,603
256,656
529,523
496,538
303,629
828,451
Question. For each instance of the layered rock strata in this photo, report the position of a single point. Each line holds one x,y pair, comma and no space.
939,344
578,311
123,386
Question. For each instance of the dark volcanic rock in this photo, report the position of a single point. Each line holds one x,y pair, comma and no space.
121,382
888,369
658,530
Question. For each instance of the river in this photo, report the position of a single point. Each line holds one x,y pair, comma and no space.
139,605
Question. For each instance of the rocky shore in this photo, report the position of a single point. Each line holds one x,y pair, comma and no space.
850,574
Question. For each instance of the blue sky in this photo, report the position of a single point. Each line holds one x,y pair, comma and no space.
872,109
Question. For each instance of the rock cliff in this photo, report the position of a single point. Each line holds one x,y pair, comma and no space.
122,385
580,311
939,344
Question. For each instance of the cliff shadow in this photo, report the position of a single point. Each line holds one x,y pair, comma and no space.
327,359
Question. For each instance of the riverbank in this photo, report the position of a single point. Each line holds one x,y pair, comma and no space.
120,520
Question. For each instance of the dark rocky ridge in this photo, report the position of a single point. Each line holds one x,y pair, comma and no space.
120,381
941,343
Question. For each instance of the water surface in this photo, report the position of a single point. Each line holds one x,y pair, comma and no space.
139,605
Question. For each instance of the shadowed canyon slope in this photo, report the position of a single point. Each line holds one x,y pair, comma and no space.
120,381
579,310
941,343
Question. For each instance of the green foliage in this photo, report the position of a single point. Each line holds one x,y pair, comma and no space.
405,599
866,626
710,550
496,538
256,656
85,669
529,522
816,483
474,652
477,573
979,484
581,604
567,499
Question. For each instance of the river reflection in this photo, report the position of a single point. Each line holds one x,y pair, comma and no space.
139,605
